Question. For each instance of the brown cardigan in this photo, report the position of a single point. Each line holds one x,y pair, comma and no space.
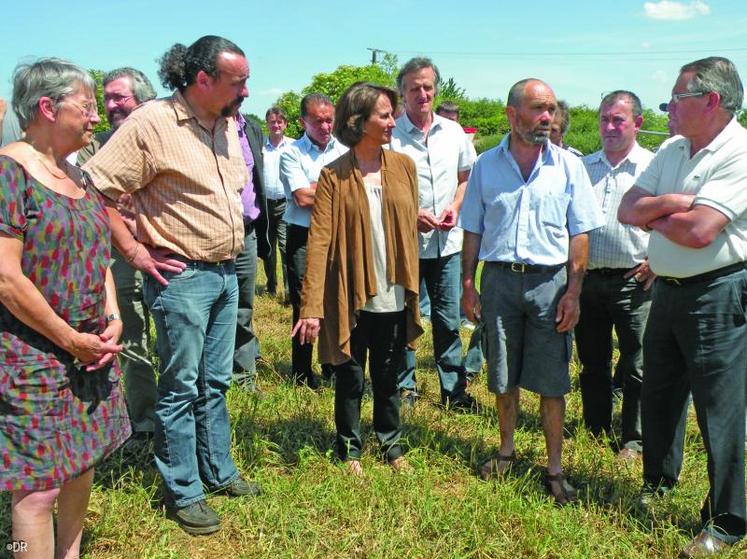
340,274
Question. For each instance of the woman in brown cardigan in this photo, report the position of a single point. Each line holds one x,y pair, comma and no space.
360,291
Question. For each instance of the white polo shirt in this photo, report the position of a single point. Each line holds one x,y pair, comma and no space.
438,158
717,176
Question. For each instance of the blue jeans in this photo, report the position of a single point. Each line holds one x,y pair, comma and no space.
442,280
195,318
247,344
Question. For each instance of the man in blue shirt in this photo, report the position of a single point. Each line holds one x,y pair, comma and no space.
528,207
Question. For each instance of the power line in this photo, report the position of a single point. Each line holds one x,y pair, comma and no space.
646,53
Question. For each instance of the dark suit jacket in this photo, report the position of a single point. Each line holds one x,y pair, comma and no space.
254,135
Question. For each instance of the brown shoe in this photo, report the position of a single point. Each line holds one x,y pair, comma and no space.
704,545
559,488
497,466
628,455
400,465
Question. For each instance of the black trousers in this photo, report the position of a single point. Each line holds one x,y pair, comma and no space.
382,337
277,237
296,254
609,301
696,341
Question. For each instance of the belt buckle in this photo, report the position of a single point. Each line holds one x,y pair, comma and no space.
518,268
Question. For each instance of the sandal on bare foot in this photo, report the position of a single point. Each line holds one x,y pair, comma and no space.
497,466
559,488
354,467
400,465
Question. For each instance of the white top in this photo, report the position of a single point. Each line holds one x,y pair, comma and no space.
274,189
717,175
389,297
616,245
300,165
438,158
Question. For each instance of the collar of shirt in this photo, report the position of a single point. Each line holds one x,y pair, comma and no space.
549,155
413,130
719,141
307,145
637,155
284,142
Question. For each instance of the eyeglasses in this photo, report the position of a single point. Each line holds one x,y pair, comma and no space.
88,109
117,99
677,97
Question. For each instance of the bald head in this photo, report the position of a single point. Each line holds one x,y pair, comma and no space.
530,110
519,90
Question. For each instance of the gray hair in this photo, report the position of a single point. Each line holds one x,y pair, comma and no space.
718,74
635,102
47,77
142,89
414,65
563,114
516,93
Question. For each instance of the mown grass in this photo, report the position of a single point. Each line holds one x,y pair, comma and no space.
310,506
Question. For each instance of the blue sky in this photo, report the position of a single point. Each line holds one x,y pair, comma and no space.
581,48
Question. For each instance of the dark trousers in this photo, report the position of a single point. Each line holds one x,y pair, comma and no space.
247,344
276,235
382,336
296,259
696,341
609,301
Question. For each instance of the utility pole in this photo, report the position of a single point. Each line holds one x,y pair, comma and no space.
374,52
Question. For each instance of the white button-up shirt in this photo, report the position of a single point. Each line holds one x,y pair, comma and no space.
439,159
274,189
300,165
616,245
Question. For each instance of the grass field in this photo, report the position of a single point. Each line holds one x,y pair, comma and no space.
311,507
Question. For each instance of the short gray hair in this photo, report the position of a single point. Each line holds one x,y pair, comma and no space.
635,102
414,65
47,77
142,89
718,74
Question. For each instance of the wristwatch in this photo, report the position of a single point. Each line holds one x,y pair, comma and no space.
112,316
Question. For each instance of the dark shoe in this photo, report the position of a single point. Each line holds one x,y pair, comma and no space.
650,494
559,488
497,466
704,545
241,488
464,403
197,519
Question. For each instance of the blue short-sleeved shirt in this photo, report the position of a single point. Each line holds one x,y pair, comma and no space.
530,221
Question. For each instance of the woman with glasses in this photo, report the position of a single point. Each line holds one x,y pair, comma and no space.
61,408
360,292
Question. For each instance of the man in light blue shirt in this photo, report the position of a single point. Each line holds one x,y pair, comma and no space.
300,165
527,211
443,158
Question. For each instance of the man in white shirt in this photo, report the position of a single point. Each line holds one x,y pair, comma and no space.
692,198
300,164
276,142
443,158
616,288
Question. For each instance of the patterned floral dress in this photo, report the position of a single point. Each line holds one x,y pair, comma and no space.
56,420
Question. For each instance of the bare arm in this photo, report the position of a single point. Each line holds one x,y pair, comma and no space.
569,309
470,296
24,301
144,258
639,207
304,197
696,228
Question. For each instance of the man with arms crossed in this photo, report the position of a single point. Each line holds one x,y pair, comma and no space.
693,199
527,212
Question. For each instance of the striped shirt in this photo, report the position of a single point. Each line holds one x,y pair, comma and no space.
185,180
616,245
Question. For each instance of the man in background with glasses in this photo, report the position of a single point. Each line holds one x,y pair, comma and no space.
125,89
693,200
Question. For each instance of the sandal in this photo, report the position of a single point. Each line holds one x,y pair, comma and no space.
354,467
559,488
497,466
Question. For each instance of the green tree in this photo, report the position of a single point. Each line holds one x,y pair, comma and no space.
449,90
98,77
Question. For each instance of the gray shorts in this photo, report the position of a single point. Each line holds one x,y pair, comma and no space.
521,346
